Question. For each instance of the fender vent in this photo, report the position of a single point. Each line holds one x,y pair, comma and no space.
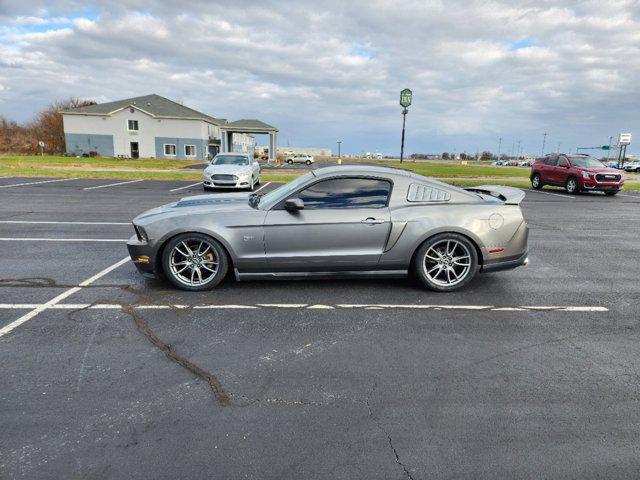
424,193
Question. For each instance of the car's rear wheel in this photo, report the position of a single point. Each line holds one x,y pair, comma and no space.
572,185
193,261
446,262
290,162
536,181
308,162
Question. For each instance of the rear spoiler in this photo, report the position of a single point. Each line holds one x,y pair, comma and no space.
509,195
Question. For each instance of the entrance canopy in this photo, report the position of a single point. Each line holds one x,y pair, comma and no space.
251,127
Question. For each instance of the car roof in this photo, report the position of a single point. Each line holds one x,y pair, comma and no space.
363,170
224,154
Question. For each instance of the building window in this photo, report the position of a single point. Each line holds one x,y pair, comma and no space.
169,150
189,150
132,125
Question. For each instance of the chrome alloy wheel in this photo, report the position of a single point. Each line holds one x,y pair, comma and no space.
194,262
447,263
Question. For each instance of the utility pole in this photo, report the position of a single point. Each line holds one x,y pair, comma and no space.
499,145
519,143
609,151
339,142
558,150
544,142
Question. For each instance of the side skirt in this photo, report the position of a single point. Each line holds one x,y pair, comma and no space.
306,275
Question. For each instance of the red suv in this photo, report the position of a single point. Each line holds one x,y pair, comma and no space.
575,173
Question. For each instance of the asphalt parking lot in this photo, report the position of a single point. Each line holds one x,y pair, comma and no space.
531,373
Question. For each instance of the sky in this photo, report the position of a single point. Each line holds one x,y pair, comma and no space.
323,71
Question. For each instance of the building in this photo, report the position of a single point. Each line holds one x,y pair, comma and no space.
152,126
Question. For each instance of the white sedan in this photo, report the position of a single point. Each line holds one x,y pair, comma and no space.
232,170
300,158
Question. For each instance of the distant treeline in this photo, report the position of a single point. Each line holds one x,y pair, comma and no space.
47,126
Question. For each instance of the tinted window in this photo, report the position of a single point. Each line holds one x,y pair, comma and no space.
553,161
346,193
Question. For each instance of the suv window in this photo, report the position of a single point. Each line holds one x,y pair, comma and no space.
346,193
552,161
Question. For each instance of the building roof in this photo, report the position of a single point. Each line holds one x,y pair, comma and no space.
249,124
153,104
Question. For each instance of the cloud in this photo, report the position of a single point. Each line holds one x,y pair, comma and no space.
479,70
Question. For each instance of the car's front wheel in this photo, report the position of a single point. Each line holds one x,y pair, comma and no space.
536,181
572,185
446,262
193,261
308,162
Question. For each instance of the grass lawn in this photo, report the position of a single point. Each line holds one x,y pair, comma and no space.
162,169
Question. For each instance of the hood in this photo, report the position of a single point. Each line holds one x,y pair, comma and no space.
605,170
227,169
197,204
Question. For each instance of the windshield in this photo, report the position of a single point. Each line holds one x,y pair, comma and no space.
281,192
230,160
586,162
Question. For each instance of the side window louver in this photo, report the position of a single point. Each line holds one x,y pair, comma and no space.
425,193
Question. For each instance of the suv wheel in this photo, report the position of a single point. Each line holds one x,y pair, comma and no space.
536,181
290,162
572,186
446,262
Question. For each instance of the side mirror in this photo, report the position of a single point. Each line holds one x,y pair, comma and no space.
564,165
293,204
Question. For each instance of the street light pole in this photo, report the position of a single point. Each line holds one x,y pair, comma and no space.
339,142
544,142
499,146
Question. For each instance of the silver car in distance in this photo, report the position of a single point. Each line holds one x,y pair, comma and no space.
336,221
231,170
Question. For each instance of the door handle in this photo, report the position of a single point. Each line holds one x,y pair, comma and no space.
372,221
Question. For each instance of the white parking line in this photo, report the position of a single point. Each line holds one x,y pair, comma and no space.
113,184
37,183
116,306
188,186
263,186
55,300
549,193
32,239
38,222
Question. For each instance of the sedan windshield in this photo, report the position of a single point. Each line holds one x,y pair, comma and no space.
586,162
230,160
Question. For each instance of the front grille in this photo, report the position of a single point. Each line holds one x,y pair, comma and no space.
225,178
607,177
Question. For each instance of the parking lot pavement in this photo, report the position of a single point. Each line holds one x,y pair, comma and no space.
527,373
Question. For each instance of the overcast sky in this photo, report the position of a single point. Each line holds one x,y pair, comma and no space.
323,71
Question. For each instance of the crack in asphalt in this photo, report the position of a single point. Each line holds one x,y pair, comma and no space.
389,440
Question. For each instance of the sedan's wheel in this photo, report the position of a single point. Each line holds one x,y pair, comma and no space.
572,185
290,162
193,261
446,262
536,182
308,162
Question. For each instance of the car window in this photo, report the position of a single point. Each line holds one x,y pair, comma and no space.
346,193
230,160
552,161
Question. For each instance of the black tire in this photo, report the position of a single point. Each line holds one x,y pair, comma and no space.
536,181
308,162
258,180
572,186
423,266
611,193
208,189
217,253
290,162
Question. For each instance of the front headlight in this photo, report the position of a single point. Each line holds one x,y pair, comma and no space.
244,174
586,175
141,233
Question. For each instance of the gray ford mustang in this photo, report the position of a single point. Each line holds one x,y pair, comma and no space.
336,221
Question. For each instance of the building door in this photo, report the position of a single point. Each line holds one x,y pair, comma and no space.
135,153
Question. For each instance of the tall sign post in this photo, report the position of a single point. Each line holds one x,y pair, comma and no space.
41,145
624,139
405,101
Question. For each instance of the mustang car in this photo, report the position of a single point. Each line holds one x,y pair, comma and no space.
231,170
336,221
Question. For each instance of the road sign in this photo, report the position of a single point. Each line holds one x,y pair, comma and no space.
605,147
624,139
405,97
41,144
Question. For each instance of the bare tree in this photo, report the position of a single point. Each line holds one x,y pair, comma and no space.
48,125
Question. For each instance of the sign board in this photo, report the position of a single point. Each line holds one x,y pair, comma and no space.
624,139
605,147
405,97
41,144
